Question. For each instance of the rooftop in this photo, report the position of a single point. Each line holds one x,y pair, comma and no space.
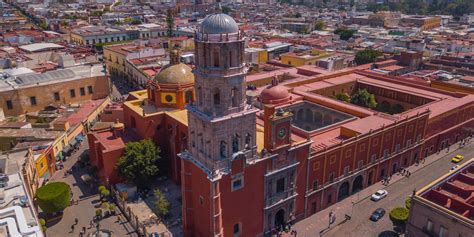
17,214
34,79
453,192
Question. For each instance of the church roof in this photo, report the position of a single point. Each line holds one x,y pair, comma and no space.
219,24
175,74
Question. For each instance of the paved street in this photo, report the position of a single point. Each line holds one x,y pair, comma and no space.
85,209
399,189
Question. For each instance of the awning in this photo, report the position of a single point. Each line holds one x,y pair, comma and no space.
79,138
73,143
67,149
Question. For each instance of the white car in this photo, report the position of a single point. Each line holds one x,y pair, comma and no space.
453,168
379,195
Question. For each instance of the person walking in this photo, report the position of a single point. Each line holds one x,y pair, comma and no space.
72,228
76,220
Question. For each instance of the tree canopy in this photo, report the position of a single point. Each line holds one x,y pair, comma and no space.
367,56
363,98
319,25
399,215
345,33
343,97
169,22
53,197
452,7
139,163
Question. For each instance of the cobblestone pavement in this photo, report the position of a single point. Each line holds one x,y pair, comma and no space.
399,188
84,211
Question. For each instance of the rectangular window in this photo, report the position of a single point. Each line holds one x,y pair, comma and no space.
9,104
315,185
385,153
237,182
346,170
397,148
56,96
429,226
373,158
443,231
408,142
82,91
89,89
280,185
72,93
236,229
33,100
201,200
360,164
331,177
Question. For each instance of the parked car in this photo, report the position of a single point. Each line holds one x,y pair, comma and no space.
453,168
457,158
377,214
379,195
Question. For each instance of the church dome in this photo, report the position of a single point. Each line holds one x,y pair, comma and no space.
175,74
274,94
219,24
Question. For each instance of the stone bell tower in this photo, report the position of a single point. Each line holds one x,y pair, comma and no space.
222,126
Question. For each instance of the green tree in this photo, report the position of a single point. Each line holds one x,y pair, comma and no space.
363,98
170,22
399,215
344,33
162,205
319,25
343,97
367,56
139,163
226,10
53,197
408,203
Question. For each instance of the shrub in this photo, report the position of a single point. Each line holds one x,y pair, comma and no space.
54,197
98,212
408,203
399,215
42,221
344,97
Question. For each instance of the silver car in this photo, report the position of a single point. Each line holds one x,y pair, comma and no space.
379,195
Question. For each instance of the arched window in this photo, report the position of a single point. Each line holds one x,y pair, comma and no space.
235,143
248,139
222,149
217,97
234,96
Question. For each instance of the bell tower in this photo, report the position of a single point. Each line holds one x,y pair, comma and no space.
221,125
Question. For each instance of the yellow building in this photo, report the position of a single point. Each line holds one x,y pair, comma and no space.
41,164
294,59
185,43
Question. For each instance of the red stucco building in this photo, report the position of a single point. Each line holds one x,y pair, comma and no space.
251,161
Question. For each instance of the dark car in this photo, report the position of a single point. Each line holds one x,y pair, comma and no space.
377,214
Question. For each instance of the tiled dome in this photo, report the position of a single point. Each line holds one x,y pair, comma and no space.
175,74
274,93
219,24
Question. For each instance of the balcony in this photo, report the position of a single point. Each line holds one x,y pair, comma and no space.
281,197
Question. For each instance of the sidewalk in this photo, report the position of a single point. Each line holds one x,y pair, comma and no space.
318,224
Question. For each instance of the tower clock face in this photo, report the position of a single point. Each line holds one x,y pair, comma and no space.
281,132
